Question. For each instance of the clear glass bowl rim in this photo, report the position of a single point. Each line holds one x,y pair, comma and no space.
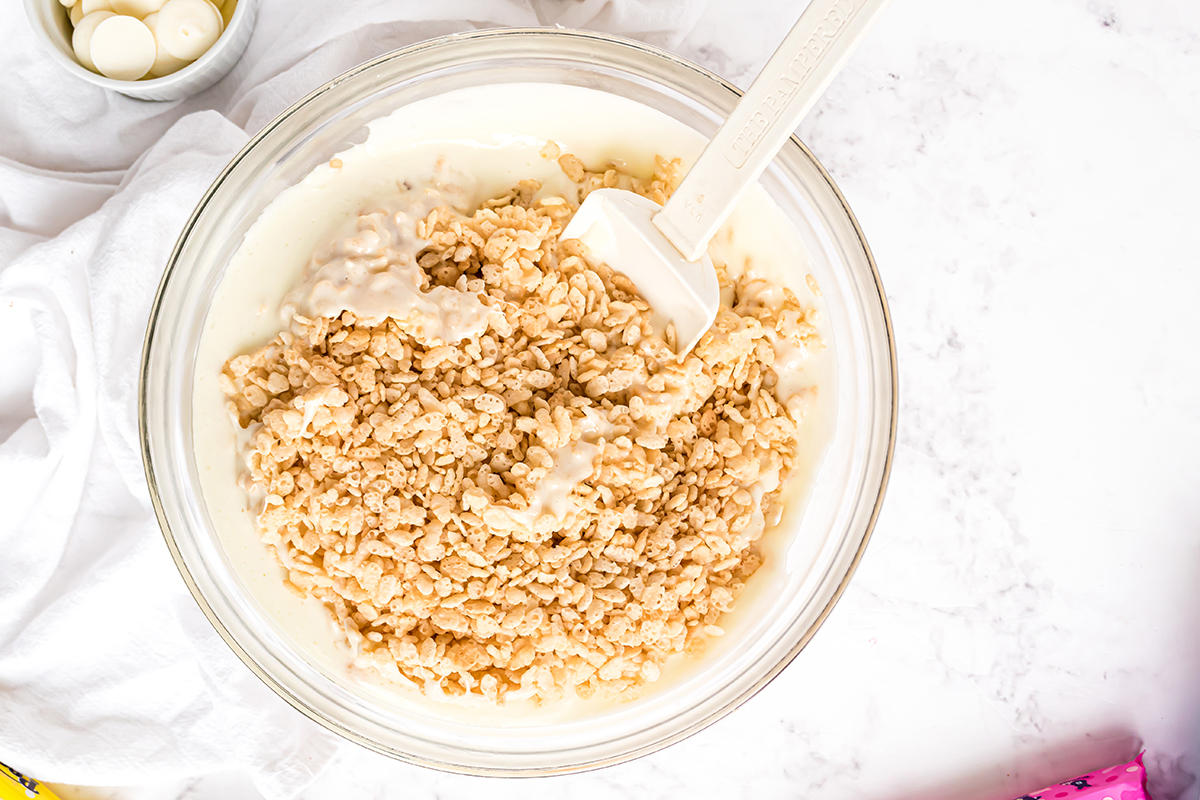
301,105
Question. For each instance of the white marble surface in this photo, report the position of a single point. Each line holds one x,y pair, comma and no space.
1026,173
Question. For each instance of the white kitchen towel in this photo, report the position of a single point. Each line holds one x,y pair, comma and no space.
109,673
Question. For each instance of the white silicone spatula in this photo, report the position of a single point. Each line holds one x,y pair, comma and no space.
663,249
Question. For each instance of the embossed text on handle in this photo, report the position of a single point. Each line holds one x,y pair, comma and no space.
789,82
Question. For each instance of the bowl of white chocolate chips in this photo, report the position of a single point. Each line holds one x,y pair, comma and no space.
148,49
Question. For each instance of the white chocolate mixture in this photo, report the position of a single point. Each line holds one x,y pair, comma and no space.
374,273
399,147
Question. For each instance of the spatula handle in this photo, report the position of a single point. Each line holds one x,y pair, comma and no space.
797,74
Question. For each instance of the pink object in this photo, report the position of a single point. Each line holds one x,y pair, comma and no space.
1124,782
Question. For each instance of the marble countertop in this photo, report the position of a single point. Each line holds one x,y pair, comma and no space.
1029,607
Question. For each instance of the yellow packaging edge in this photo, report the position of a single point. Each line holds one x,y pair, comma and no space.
16,786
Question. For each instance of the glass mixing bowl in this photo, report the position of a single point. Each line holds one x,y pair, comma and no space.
822,545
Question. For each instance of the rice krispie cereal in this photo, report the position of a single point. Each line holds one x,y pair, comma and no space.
556,504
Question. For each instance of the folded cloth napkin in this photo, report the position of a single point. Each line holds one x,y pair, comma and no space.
109,673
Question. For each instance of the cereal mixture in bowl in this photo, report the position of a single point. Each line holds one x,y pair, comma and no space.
530,495
308,218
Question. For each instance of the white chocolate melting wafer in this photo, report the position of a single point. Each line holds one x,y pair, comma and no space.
68,3
164,62
92,6
123,48
137,8
227,11
76,13
81,39
187,28
217,9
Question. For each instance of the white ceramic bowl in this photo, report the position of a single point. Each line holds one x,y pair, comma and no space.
52,26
